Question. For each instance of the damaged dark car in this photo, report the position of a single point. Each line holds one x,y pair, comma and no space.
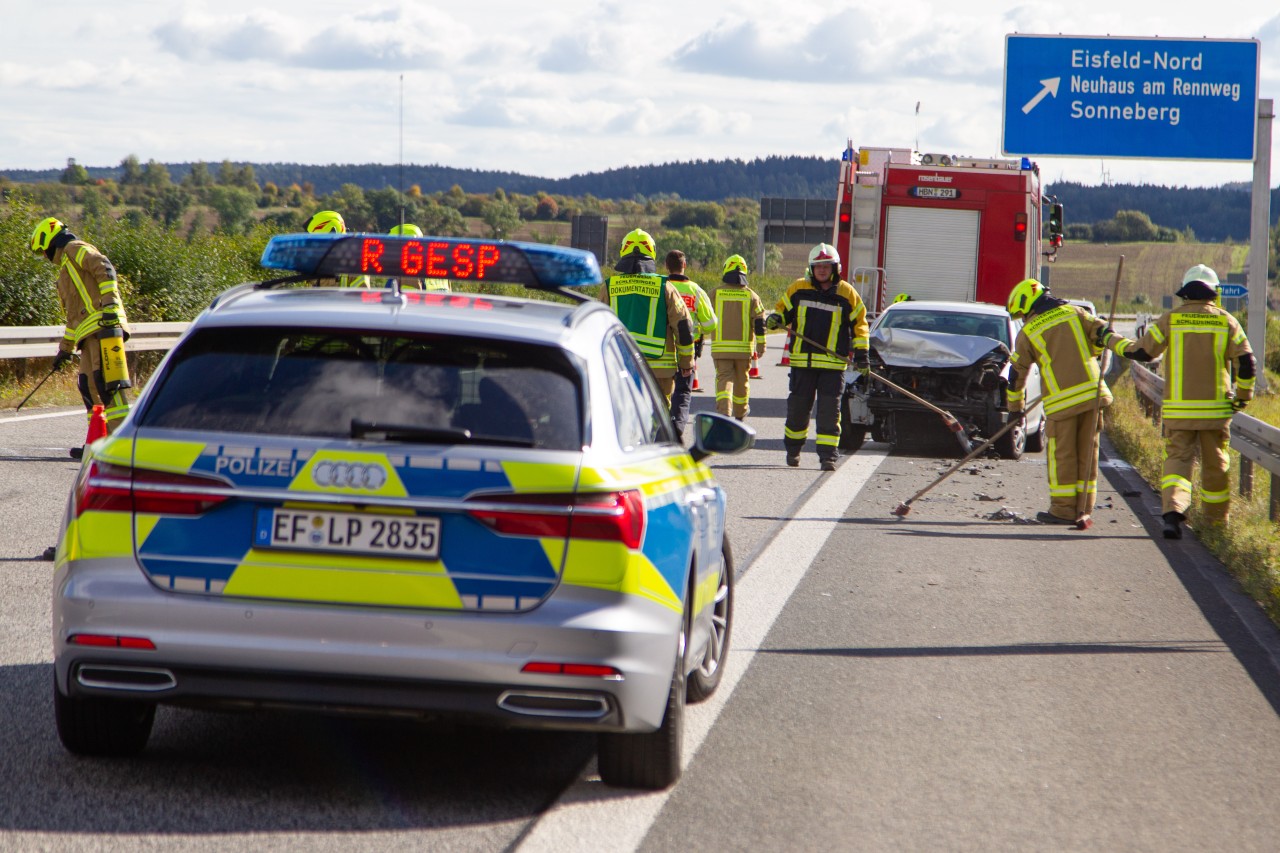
955,355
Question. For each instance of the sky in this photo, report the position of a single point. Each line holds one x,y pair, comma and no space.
558,87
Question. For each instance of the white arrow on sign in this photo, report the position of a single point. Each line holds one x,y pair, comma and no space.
1050,88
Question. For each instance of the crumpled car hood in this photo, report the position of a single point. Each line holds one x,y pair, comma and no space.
911,348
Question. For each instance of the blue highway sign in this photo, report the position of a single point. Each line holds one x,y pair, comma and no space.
1098,96
1226,289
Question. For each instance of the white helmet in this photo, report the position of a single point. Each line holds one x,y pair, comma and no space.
824,254
1202,274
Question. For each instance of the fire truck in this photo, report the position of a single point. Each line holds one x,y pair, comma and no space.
938,226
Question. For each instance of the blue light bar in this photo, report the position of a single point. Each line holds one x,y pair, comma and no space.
533,265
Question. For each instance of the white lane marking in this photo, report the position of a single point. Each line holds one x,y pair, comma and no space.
591,817
42,417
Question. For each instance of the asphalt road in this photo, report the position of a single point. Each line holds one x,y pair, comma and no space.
940,681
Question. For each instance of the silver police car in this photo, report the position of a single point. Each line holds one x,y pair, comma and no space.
390,500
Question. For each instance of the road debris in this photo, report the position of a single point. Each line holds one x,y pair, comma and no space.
983,496
1006,514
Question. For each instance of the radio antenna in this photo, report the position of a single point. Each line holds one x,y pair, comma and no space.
401,149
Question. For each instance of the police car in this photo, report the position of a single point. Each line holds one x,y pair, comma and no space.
394,501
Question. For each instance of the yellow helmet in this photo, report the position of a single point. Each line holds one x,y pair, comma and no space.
326,222
406,230
639,239
44,233
902,297
735,263
1024,295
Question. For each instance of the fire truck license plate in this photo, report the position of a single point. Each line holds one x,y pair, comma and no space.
936,192
349,532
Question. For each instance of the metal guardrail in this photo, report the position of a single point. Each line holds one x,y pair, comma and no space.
42,341
1257,442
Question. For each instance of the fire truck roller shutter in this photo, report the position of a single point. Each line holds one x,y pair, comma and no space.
932,253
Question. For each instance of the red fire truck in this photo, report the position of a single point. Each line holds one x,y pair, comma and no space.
937,226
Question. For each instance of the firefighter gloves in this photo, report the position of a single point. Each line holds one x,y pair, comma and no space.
774,321
60,359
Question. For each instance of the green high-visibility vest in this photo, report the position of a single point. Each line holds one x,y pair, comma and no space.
638,301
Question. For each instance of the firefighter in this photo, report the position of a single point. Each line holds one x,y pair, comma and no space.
430,285
828,311
331,222
740,318
1061,339
96,323
653,312
1203,341
703,318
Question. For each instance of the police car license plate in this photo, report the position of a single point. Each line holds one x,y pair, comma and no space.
348,533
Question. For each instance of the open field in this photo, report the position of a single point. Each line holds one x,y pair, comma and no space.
1088,270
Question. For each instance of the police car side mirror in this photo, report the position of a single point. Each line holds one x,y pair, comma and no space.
716,433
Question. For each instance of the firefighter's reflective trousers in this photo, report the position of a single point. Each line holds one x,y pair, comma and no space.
806,384
678,390
93,387
1073,464
1180,450
732,383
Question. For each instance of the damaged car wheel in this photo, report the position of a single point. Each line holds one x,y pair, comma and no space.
1012,443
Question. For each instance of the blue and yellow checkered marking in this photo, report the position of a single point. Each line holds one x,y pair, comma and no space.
466,575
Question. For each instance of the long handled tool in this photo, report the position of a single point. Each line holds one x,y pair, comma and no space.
905,507
1083,520
37,388
957,429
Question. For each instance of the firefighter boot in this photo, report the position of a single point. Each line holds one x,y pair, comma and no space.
1173,525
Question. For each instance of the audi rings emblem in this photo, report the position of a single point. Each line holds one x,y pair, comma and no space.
350,475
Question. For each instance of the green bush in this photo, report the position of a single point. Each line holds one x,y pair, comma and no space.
27,293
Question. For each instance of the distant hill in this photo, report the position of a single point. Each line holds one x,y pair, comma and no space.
697,180
1214,213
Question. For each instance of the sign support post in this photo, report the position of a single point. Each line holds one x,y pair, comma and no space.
1260,239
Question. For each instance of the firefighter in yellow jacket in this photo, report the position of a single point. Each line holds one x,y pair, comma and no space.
826,310
1061,338
739,330
703,318
1204,343
96,323
430,285
652,310
331,222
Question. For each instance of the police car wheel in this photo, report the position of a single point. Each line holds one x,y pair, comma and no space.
650,760
103,727
704,680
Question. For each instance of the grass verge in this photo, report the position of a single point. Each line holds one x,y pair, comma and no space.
1249,545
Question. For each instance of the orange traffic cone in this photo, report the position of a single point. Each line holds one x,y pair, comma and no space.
786,353
697,386
754,372
97,425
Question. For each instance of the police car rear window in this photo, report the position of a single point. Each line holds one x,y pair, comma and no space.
314,382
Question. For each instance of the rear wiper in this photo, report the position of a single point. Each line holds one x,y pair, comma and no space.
441,435
503,440
407,432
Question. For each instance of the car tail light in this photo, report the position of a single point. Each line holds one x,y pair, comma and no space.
584,670
612,516
112,641
118,488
